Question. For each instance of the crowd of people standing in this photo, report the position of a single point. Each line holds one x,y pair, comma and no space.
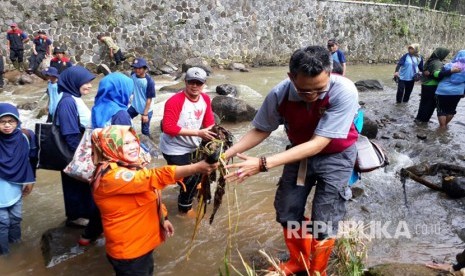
442,85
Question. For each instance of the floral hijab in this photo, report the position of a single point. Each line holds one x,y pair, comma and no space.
107,147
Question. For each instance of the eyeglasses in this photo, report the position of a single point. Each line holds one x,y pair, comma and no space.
310,92
10,122
331,45
194,82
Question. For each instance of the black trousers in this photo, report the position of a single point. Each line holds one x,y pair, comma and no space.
427,103
16,55
95,227
118,56
36,60
404,89
185,198
140,266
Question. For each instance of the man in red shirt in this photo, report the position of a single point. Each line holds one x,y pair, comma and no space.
187,120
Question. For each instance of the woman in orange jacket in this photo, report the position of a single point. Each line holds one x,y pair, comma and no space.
129,198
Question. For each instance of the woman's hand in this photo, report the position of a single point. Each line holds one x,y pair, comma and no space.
169,229
27,189
204,168
249,167
455,70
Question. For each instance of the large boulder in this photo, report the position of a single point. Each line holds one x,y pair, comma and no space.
226,89
370,128
365,85
232,110
197,62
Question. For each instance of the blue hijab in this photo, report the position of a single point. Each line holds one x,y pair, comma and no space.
73,78
14,151
113,95
457,61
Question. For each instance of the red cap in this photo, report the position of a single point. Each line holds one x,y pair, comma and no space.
13,25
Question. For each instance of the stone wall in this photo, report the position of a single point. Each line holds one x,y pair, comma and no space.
261,32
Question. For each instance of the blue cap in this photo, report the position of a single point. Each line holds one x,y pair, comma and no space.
51,71
139,63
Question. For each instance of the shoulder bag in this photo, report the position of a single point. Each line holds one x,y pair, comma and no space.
370,156
81,166
54,153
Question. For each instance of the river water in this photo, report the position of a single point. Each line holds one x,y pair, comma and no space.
245,223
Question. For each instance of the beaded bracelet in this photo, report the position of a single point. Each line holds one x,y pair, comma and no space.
262,164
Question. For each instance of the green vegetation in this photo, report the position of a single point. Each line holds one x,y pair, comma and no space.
457,6
400,27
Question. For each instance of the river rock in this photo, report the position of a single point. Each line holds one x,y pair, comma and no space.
227,89
165,69
170,64
173,88
60,244
232,109
25,79
370,128
357,191
454,187
399,135
28,105
365,85
237,67
403,269
103,69
42,112
45,63
197,62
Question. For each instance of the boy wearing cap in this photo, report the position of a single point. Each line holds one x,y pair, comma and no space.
15,39
338,55
41,47
115,51
60,61
187,119
144,92
52,91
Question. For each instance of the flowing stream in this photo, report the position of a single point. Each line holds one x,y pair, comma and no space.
245,223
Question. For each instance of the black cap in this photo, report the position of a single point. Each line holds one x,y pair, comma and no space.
59,49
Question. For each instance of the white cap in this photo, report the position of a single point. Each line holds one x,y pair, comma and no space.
196,73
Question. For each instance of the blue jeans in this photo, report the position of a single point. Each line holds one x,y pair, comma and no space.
145,127
10,226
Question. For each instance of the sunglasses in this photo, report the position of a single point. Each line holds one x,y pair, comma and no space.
194,82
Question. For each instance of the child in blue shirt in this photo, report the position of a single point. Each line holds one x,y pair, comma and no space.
52,91
144,92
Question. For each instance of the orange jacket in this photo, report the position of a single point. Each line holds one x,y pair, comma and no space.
128,203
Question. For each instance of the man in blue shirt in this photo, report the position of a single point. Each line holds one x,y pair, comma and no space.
144,92
338,55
